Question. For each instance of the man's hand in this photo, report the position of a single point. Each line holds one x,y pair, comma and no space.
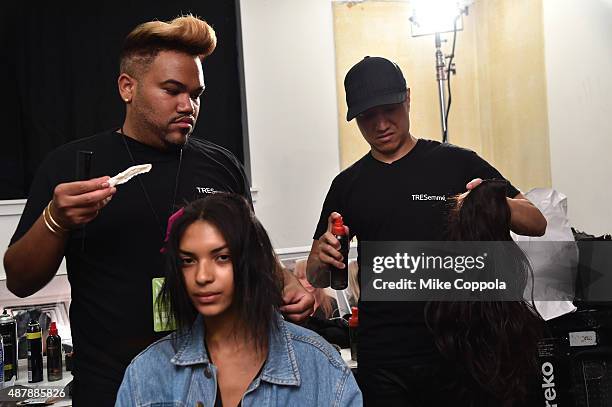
473,183
329,247
298,303
32,261
77,203
526,219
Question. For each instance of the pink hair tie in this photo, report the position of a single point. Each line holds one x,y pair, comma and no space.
171,221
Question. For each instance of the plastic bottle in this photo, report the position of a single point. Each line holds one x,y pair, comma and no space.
353,325
54,354
8,331
339,277
35,359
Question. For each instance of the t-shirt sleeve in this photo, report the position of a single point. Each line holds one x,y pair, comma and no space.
331,204
480,168
41,192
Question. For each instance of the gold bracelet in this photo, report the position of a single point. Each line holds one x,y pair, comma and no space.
53,221
51,229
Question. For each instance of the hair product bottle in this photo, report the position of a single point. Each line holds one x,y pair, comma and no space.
54,354
8,331
339,277
35,359
353,325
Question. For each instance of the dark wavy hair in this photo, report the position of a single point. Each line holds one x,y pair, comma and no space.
257,280
494,342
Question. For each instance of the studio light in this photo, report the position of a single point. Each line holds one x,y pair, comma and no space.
435,16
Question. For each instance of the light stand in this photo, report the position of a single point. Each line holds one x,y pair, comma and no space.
434,18
441,78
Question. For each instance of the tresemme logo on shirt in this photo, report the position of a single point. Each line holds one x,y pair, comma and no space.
206,190
426,197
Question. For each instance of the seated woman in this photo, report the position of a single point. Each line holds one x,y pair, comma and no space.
325,306
490,345
325,320
231,347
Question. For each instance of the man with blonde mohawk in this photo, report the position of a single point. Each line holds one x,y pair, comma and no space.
112,247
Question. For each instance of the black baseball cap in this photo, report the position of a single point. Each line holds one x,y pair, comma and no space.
373,81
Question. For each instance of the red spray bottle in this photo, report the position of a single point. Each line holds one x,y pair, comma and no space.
54,354
339,277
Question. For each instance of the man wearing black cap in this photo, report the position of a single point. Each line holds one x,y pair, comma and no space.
398,192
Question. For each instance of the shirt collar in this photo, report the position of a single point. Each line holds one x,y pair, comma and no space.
281,366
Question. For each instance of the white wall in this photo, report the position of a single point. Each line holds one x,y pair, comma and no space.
578,52
292,114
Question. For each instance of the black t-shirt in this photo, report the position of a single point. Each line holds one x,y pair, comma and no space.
110,270
407,200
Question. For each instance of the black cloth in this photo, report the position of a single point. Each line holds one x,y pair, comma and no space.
112,260
390,202
60,61
334,329
422,385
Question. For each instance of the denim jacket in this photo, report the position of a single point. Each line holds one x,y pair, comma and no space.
302,369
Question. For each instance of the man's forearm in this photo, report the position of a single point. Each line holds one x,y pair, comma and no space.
526,219
32,261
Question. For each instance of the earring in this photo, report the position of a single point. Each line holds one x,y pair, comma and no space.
127,100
